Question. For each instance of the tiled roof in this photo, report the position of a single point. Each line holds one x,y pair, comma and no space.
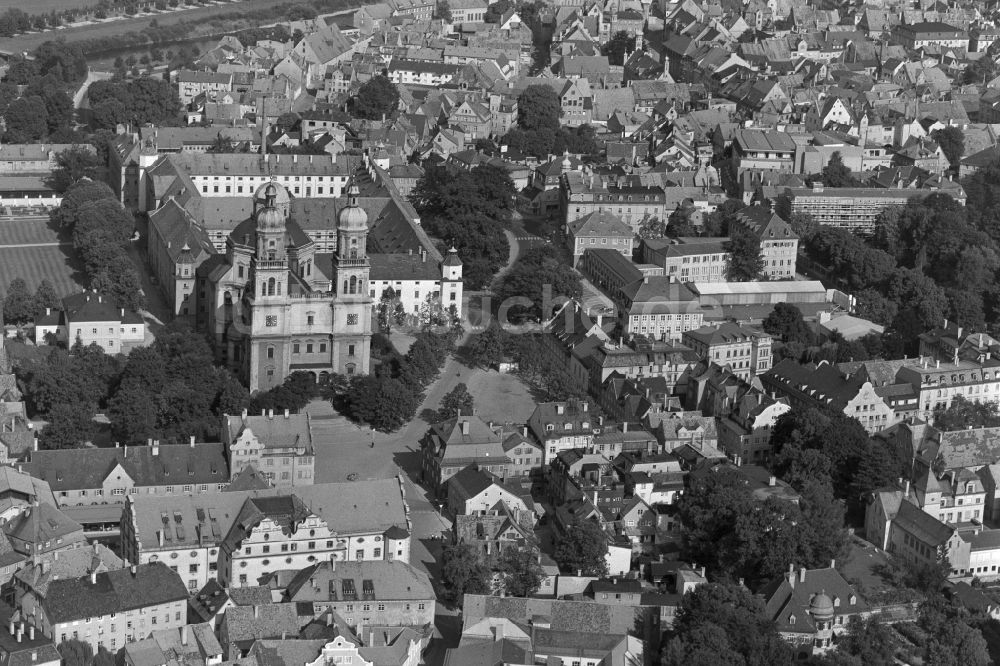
74,469
386,580
114,592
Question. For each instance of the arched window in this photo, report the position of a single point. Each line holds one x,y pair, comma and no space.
270,287
228,297
345,286
354,284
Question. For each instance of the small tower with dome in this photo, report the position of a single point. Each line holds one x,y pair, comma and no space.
822,611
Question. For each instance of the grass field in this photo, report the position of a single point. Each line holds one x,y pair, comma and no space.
56,262
35,264
112,28
22,231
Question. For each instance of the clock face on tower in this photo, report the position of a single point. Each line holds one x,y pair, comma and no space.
271,320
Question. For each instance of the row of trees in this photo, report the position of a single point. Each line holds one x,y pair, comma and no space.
21,306
388,397
468,210
232,21
102,230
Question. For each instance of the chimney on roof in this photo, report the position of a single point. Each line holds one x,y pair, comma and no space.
122,311
93,577
802,575
184,635
20,631
244,415
772,481
31,637
10,625
48,311
159,537
256,611
192,441
524,431
329,618
465,427
156,447
286,413
624,426
270,413
133,569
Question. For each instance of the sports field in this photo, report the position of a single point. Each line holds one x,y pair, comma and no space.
30,249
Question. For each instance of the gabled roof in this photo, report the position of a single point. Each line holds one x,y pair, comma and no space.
113,592
600,223
177,464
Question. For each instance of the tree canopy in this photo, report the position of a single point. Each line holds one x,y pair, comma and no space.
463,571
746,262
537,284
377,97
723,624
583,548
138,101
467,210
619,47
521,575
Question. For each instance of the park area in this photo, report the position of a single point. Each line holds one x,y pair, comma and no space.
30,249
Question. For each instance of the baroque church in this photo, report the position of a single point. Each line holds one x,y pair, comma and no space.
276,305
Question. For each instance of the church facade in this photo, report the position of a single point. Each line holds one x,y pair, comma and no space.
275,305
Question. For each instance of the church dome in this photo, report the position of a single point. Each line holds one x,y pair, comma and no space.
271,206
821,606
353,216
270,218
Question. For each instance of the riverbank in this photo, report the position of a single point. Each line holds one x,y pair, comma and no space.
196,17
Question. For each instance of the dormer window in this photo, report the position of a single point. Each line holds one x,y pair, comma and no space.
791,620
853,600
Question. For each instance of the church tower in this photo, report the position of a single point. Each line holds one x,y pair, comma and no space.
352,302
268,351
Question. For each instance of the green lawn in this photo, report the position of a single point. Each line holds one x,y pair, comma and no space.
58,264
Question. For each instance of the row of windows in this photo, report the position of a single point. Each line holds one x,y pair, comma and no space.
151,490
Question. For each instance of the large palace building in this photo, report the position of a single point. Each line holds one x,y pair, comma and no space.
275,305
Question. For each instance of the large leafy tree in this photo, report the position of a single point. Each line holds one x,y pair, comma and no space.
537,284
619,47
746,262
463,571
456,401
583,548
836,173
389,312
384,403
74,163
489,348
378,97
26,120
520,572
18,304
952,142
786,322
723,623
538,108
